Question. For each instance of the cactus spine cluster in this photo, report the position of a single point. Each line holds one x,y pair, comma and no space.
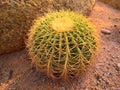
62,44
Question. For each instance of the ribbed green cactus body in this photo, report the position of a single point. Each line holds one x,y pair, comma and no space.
62,44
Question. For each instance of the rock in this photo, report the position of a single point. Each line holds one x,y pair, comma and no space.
79,80
106,31
107,74
113,57
98,77
13,4
13,27
10,74
83,6
119,31
100,64
1,31
118,65
118,57
114,3
115,25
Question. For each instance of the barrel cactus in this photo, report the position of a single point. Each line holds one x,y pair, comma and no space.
62,44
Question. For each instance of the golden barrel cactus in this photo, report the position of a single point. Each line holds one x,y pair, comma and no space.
62,44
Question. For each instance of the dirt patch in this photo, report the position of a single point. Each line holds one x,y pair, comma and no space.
103,75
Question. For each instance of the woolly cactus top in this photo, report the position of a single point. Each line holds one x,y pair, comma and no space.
59,26
62,44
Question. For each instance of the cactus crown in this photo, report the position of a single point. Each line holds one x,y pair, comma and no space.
59,26
62,44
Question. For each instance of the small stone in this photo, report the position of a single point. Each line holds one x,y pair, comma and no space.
108,50
10,74
108,63
118,65
1,31
117,57
13,4
106,31
79,80
119,31
35,79
113,57
100,64
115,25
107,74
97,76
116,47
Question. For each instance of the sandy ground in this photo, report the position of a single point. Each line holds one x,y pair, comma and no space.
16,72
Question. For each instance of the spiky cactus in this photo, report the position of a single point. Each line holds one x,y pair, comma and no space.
62,44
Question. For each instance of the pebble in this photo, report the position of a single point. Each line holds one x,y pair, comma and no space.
98,77
79,80
13,4
108,63
1,31
108,50
10,74
106,31
115,25
100,64
107,74
113,57
119,31
118,65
